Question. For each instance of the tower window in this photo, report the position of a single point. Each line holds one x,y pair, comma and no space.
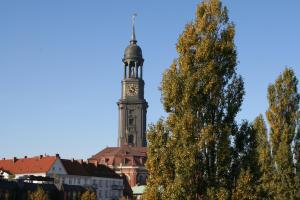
130,139
131,121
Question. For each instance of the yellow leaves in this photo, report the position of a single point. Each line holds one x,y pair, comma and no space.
196,151
89,195
245,189
283,117
38,194
186,39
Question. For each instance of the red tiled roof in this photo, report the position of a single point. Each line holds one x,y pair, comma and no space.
39,164
130,156
42,164
125,150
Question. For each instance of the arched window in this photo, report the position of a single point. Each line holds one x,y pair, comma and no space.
141,179
130,139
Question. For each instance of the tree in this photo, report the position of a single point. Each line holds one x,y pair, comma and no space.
159,163
245,166
283,116
39,194
245,145
245,189
89,195
265,186
297,160
202,94
297,154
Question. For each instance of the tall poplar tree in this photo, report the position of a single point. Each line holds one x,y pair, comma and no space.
297,161
245,146
159,163
297,153
202,94
283,116
245,187
265,186
245,165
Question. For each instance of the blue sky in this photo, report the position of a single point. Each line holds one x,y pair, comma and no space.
61,67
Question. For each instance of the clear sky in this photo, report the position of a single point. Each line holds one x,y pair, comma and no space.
61,67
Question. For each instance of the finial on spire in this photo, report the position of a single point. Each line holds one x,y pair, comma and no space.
133,38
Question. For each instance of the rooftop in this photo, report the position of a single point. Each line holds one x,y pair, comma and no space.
38,164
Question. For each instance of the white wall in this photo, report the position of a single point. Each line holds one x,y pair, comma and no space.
103,186
5,174
57,168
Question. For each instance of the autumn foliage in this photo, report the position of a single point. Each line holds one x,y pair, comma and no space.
200,151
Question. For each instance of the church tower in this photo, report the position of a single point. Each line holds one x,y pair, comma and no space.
132,105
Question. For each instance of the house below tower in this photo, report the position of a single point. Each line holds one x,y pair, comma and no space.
126,160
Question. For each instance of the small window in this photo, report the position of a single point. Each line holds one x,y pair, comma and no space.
131,121
130,139
126,161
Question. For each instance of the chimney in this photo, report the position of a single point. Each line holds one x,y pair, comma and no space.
25,157
3,158
15,159
73,160
57,155
41,156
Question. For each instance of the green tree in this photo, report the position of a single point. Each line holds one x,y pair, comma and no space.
283,116
245,160
265,186
159,163
202,94
245,189
39,194
89,195
245,148
297,152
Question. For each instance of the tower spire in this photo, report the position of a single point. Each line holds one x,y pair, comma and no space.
133,38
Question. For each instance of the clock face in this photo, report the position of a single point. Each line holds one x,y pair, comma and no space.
132,89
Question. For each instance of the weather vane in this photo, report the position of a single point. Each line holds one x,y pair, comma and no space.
133,18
